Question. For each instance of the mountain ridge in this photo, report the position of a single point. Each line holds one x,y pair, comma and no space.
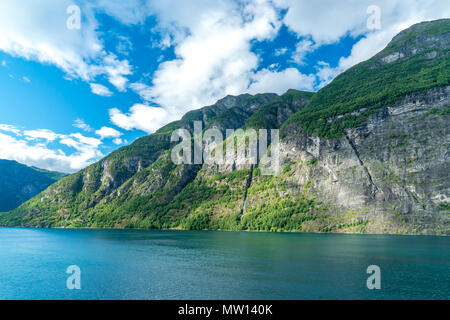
366,154
20,183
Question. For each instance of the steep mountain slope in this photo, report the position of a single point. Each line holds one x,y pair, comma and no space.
415,60
20,183
132,186
378,140
368,153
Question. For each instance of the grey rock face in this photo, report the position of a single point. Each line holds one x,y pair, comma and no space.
389,173
394,170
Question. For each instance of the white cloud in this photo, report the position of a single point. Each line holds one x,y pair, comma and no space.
107,132
280,51
80,124
325,73
117,70
118,141
9,128
3,63
100,90
36,152
214,58
301,50
361,51
277,82
124,45
212,42
328,21
128,12
41,134
36,30
26,79
143,90
93,142
141,117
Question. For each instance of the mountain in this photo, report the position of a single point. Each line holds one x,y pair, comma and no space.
20,183
369,153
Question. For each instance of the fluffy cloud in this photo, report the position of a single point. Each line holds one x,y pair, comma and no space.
141,117
212,43
124,45
33,150
80,124
9,128
328,21
277,82
117,70
301,50
325,21
143,90
41,134
280,51
107,132
37,30
361,51
128,12
100,90
118,141
215,59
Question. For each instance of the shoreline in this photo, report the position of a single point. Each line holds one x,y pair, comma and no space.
247,231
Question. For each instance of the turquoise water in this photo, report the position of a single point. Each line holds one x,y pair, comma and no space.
135,264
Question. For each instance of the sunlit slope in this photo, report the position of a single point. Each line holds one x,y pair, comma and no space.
137,185
417,59
368,154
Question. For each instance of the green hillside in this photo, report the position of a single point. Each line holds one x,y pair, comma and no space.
20,183
357,94
138,185
367,153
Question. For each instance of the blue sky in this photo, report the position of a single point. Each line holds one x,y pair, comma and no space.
71,94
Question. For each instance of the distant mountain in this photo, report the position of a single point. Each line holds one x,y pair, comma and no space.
369,153
20,183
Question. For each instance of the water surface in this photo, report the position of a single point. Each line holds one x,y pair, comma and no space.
138,264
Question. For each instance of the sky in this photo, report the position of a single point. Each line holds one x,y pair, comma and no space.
79,79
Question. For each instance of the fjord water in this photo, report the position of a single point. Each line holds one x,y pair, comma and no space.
138,264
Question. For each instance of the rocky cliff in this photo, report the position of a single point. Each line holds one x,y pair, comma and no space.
367,154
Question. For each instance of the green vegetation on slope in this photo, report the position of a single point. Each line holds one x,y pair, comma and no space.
19,183
375,84
139,187
273,114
